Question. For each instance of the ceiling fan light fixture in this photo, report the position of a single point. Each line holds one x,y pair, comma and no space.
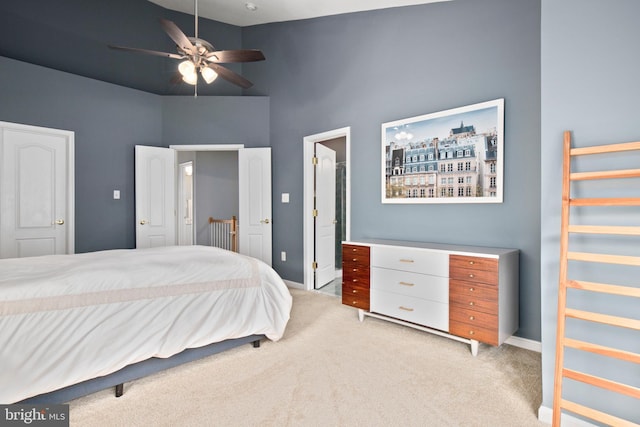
251,6
208,74
187,68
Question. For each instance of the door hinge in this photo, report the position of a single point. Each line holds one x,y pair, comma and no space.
315,213
314,160
314,265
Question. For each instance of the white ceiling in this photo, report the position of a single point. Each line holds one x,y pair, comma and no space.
235,11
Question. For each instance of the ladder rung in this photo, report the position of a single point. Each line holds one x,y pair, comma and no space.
602,417
605,229
626,291
610,148
602,350
606,201
623,322
593,380
604,258
621,173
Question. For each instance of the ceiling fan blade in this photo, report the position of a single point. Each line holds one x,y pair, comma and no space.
231,76
240,55
147,52
178,36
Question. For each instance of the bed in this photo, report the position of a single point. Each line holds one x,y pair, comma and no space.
71,320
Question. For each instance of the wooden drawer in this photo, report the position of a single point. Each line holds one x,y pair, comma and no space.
472,302
416,285
474,269
411,259
358,277
416,310
356,296
472,291
355,255
473,325
472,262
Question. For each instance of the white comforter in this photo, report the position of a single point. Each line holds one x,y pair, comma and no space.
68,318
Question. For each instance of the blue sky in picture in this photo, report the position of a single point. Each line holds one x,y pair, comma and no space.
439,125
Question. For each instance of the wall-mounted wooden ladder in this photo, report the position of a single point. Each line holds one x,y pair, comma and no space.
564,312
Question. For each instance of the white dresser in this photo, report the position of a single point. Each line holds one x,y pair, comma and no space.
465,293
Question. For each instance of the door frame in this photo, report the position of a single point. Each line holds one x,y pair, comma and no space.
307,210
70,218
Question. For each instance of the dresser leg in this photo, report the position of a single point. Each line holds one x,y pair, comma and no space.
474,347
361,315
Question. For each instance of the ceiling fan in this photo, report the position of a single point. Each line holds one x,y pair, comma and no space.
199,56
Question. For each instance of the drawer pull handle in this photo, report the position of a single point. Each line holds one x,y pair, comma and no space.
471,303
471,275
354,249
405,308
471,262
471,332
406,284
354,260
354,280
354,291
470,317
406,260
471,289
355,269
355,303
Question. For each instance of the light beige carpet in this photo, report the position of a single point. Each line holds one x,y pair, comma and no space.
331,370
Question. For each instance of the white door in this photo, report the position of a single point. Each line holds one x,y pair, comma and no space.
36,191
254,216
325,218
155,196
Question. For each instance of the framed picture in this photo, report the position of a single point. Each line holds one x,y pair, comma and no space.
452,156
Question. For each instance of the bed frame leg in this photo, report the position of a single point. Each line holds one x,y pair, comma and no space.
119,390
256,344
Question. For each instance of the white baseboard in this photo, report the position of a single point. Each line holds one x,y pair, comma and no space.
525,343
546,416
295,285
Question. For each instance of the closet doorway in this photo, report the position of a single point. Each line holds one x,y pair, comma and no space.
37,201
326,208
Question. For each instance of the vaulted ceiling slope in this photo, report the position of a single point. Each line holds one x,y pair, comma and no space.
72,36
253,12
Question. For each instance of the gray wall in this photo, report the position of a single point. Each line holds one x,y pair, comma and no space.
108,121
590,87
363,69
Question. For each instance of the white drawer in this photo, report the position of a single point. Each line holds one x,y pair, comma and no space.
416,310
411,259
425,286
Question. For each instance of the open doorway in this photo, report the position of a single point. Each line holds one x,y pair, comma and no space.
326,208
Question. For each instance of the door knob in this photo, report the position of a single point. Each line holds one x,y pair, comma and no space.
264,221
143,222
59,221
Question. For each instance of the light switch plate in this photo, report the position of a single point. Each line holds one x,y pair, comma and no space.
116,194
285,197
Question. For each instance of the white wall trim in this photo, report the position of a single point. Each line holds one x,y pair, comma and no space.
308,148
525,343
292,284
208,147
546,416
